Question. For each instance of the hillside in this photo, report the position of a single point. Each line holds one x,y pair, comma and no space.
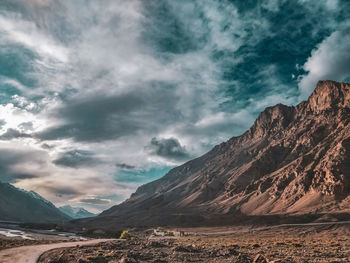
22,206
294,160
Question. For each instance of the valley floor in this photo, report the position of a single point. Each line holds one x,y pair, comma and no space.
31,254
321,243
6,243
11,238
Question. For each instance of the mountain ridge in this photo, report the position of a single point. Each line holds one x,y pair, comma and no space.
293,160
75,212
27,206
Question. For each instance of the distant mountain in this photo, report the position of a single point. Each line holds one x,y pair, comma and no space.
27,206
75,212
294,160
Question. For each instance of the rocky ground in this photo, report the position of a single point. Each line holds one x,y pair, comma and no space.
18,242
297,244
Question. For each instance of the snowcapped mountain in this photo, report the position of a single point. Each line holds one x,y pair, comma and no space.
76,212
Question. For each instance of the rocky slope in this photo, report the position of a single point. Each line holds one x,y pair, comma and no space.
293,160
22,206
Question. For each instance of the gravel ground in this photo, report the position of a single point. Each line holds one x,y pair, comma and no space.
299,245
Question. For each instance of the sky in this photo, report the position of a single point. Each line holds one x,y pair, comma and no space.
100,97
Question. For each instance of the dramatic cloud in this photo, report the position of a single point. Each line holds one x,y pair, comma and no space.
76,158
63,191
329,61
85,85
13,134
125,166
168,148
95,201
14,164
105,118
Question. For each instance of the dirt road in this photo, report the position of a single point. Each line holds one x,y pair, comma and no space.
31,254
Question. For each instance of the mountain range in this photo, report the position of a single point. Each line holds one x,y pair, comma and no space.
17,205
293,161
75,212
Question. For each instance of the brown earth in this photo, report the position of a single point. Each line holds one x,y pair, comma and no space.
6,243
294,160
31,254
309,244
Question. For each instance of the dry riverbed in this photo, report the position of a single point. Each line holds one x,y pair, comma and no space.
35,239
329,243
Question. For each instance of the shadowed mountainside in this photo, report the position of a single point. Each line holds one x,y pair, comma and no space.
22,206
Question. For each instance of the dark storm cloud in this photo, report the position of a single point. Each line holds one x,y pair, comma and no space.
103,118
76,158
125,166
13,134
10,158
168,148
95,201
62,191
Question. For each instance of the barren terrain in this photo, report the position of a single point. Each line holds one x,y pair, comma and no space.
31,254
319,243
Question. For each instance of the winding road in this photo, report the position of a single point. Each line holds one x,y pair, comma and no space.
31,254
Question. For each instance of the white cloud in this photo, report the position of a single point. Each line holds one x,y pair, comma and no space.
271,5
14,116
330,60
15,30
329,4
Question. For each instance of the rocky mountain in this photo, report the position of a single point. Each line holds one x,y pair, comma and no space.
294,160
75,212
27,206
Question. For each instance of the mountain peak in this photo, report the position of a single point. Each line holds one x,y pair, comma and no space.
272,119
75,212
329,94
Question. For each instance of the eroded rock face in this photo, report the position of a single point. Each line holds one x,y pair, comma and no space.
330,95
292,160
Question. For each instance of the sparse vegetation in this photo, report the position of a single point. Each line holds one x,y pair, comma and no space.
125,235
